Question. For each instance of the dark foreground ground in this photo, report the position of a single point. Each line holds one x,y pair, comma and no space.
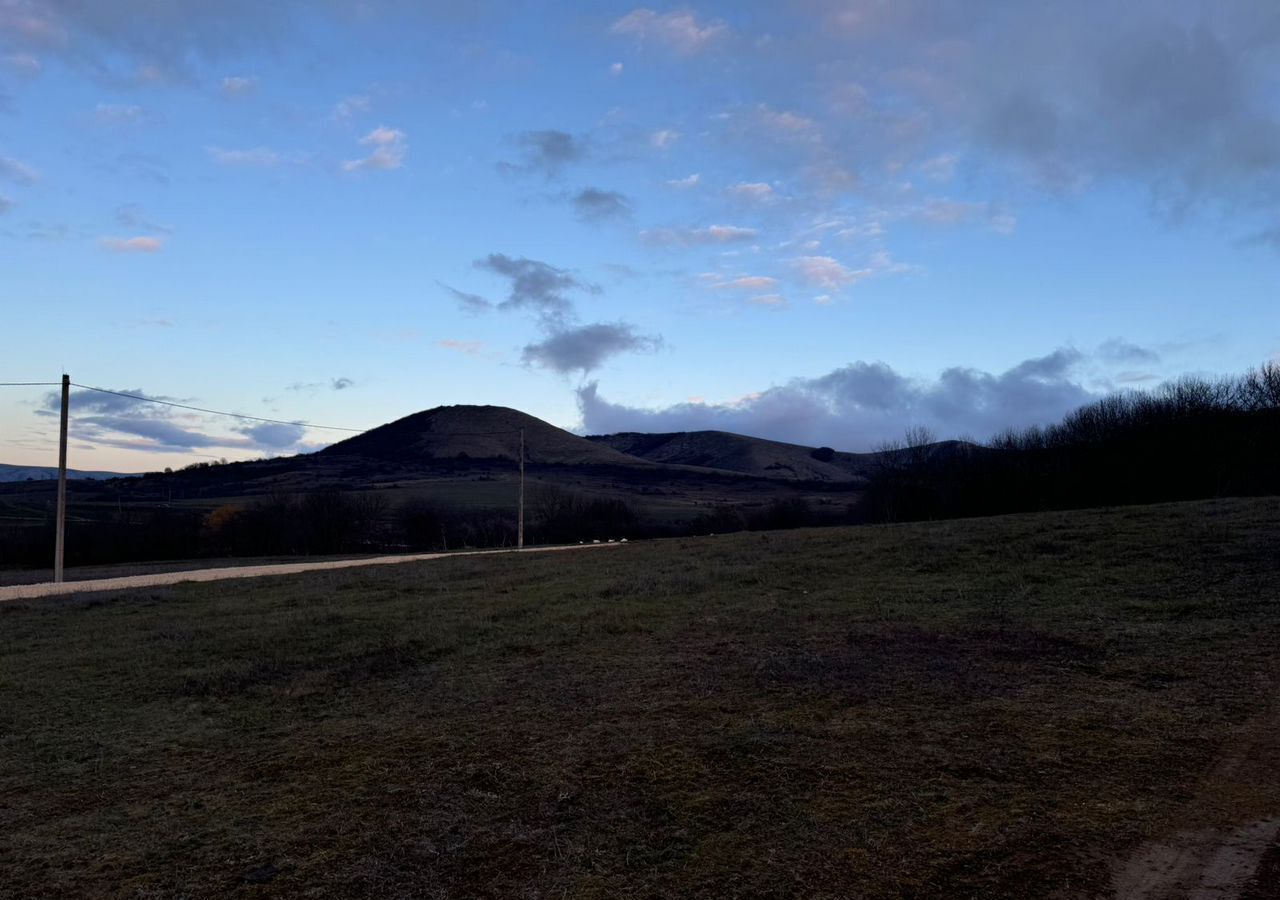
1007,707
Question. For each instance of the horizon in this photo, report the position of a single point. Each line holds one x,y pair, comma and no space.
818,224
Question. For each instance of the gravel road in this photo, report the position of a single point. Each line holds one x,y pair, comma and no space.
51,589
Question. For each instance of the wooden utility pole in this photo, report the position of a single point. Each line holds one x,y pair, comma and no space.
61,526
520,520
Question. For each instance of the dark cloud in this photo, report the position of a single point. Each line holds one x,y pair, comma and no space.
536,286
135,423
472,303
546,152
333,384
1121,351
596,205
341,384
586,347
863,404
274,436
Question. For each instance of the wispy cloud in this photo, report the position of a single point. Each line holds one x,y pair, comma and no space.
239,85
15,171
262,157
689,181
694,237
144,244
679,30
119,114
467,348
389,148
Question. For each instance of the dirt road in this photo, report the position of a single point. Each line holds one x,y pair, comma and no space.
50,589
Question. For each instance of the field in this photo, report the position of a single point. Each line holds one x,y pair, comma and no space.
1009,707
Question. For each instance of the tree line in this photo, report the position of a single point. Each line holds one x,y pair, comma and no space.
1188,439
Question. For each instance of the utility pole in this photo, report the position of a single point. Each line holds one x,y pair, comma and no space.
61,526
520,521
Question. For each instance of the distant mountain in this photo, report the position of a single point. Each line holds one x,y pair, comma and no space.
740,453
50,473
451,433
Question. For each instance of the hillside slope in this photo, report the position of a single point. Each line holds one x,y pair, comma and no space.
741,453
478,432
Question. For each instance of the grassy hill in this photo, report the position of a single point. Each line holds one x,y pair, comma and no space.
998,708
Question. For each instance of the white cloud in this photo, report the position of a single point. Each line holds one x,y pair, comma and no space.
118,114
469,348
684,183
753,190
664,138
679,30
747,283
688,237
774,300
349,107
829,274
132,245
615,69
389,148
236,85
256,156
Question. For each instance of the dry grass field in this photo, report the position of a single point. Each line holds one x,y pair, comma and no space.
1009,707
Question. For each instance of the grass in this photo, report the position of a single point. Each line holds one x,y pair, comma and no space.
982,708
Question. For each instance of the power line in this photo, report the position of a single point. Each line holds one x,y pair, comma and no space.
215,412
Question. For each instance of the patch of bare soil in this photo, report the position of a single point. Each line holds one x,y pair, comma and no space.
1228,844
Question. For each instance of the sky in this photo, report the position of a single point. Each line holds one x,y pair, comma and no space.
821,221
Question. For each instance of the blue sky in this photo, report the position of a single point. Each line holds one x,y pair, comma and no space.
816,221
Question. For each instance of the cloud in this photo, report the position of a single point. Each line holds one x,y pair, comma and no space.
119,114
747,283
310,387
664,138
140,41
471,303
829,274
685,183
132,245
468,348
959,212
596,205
273,436
774,300
238,85
257,156
546,152
1122,351
131,215
341,384
862,404
24,63
586,347
136,423
389,149
695,237
615,69
536,286
678,30
753,190
18,172
5,204
349,107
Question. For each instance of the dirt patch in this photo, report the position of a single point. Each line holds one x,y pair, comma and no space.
1203,865
1238,861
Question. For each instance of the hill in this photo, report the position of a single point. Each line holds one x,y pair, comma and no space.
478,433
50,473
